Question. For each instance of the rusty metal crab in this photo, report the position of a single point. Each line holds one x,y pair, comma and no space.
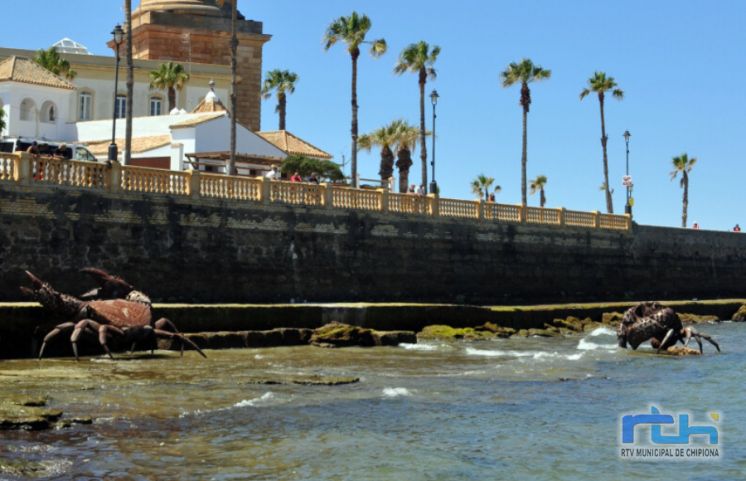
651,321
113,308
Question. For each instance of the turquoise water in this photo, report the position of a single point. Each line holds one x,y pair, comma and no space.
533,409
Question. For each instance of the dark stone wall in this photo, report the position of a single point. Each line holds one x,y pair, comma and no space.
210,251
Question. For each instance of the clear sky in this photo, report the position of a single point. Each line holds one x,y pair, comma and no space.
680,63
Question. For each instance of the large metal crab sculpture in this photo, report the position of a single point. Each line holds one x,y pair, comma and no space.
651,321
113,308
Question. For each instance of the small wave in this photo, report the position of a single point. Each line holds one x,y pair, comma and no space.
396,392
420,347
522,354
602,331
267,396
586,345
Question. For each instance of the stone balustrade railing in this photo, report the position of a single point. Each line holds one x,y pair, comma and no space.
27,170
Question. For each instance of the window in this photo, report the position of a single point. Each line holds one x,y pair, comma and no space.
85,107
48,112
120,107
155,105
28,110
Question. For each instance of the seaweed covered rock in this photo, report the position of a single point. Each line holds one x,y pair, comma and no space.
440,331
687,318
498,331
310,380
740,315
336,334
611,318
394,338
27,414
682,351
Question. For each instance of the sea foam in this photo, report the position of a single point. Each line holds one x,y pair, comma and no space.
396,392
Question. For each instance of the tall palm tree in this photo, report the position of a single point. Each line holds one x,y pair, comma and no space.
283,83
537,185
385,138
130,84
230,168
683,164
170,76
524,73
601,84
482,184
352,31
419,58
406,141
51,60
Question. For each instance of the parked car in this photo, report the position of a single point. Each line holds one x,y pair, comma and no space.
71,151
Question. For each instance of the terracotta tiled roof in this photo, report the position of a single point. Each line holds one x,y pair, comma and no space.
21,69
291,144
139,144
211,103
197,120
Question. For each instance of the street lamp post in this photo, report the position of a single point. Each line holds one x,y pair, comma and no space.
628,179
118,36
434,99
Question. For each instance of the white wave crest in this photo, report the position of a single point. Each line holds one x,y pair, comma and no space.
267,396
522,354
396,392
602,331
586,344
419,346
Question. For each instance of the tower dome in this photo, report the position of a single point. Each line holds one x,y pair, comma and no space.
199,7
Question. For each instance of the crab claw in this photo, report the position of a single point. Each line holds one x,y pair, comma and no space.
37,283
110,286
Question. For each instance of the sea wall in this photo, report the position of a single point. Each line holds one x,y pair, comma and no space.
181,249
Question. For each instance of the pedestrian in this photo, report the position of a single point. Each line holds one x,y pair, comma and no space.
273,174
737,228
314,179
421,190
412,189
695,226
296,177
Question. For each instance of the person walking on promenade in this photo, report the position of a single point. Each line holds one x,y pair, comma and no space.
296,177
737,228
273,174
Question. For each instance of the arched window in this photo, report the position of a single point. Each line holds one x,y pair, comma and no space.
49,112
28,110
85,106
156,105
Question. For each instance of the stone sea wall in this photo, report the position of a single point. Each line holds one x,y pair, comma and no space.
218,251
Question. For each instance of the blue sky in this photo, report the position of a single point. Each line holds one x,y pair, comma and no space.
679,63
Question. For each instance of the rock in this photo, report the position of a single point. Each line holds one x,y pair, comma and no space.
543,333
439,331
312,380
295,337
27,414
498,331
740,315
522,333
343,335
592,326
571,323
69,422
611,318
394,338
696,319
682,351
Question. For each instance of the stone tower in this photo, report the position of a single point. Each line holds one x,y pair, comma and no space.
199,31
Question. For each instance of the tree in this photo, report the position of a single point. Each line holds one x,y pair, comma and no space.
130,84
601,84
419,58
230,168
406,136
171,77
683,164
352,31
537,185
2,119
482,184
283,83
305,166
524,73
51,60
384,137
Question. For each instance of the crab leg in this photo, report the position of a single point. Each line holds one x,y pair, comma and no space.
102,330
665,339
164,323
178,335
53,333
698,335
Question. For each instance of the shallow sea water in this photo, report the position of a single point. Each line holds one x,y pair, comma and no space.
533,409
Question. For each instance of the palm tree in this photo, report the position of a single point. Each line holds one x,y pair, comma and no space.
283,82
601,84
683,164
172,77
384,137
406,141
419,58
230,168
537,185
130,84
482,185
524,73
50,59
352,30
2,119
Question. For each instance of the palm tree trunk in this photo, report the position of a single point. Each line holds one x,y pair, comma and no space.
230,168
609,204
524,155
543,198
386,169
685,200
423,143
403,162
130,84
355,54
171,99
282,109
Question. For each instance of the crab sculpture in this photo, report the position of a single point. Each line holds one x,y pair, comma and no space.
651,321
116,309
